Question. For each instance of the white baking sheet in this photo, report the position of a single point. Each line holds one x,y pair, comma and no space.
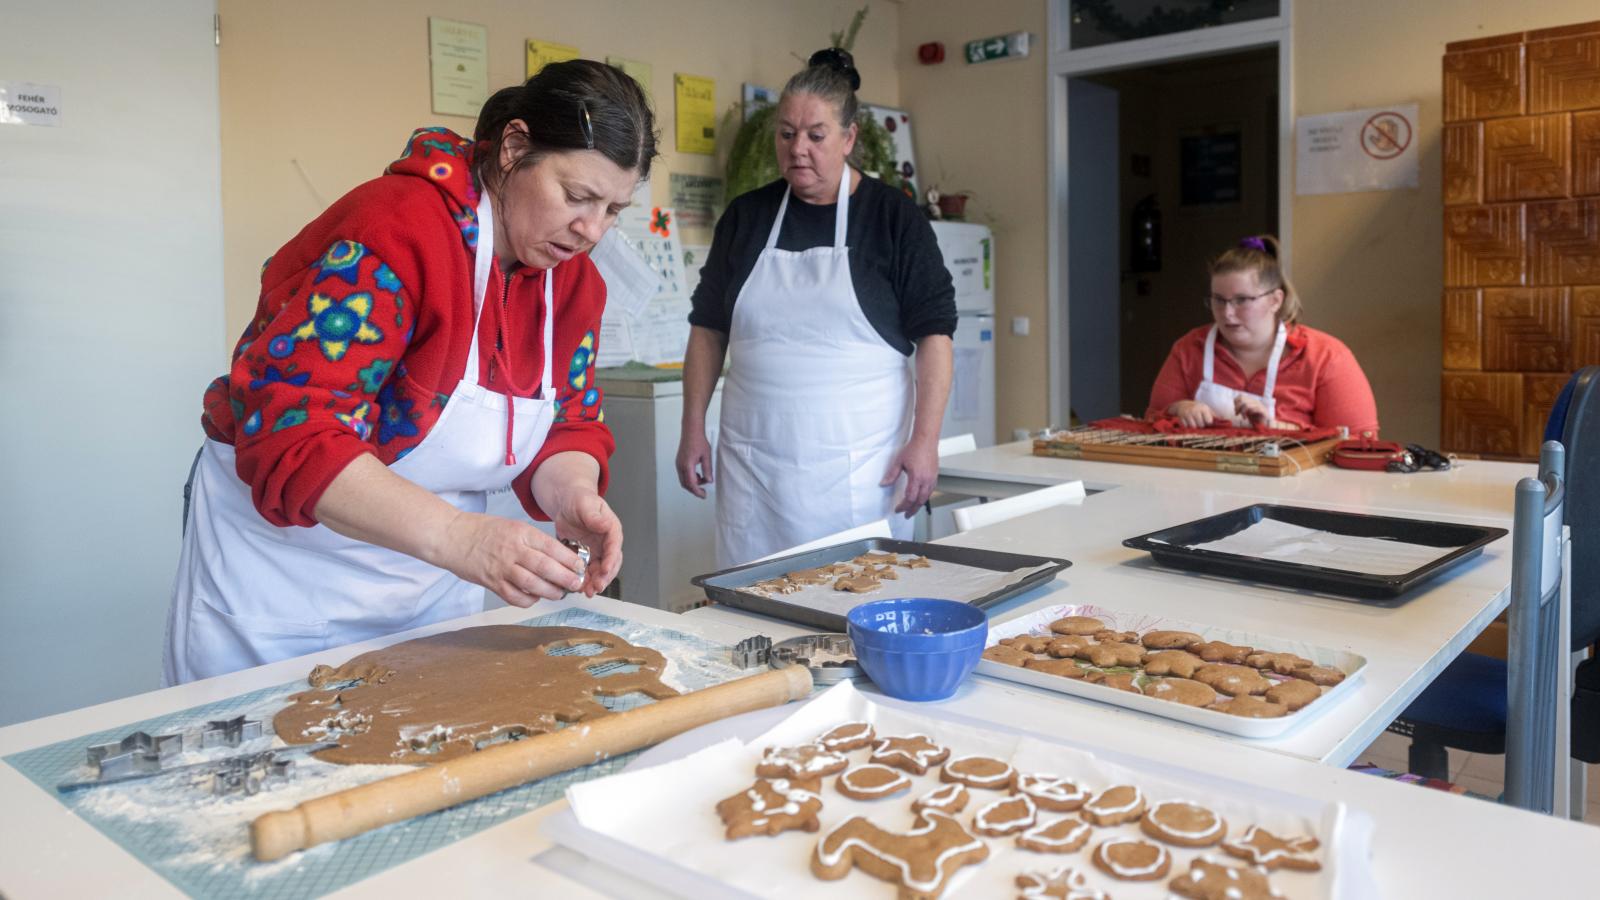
940,580
1285,542
1038,623
660,822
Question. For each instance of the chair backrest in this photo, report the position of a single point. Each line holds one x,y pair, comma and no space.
879,528
961,443
1535,655
1580,437
970,517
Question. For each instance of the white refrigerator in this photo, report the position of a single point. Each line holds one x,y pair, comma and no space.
968,251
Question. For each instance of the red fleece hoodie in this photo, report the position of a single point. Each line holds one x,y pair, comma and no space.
363,330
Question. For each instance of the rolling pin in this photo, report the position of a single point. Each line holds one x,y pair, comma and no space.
360,809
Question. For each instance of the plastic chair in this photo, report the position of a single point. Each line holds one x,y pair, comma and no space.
878,529
970,517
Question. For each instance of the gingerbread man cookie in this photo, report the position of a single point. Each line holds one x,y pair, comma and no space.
872,782
1066,668
915,753
1217,651
1170,640
1052,792
1083,625
1028,643
1113,654
770,807
1068,646
1232,680
1211,880
1010,656
1008,815
1115,805
1132,859
952,798
914,562
1251,707
1181,690
1173,662
805,762
1325,676
920,861
1281,663
882,573
857,584
1261,847
847,737
984,772
1060,883
1293,693
1061,836
1183,824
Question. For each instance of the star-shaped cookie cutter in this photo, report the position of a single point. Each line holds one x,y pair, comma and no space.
138,753
248,774
229,732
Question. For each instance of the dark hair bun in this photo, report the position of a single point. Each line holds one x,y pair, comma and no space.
840,61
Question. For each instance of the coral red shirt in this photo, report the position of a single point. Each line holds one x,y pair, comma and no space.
1319,381
363,329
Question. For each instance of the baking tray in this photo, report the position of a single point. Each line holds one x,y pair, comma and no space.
726,586
1175,547
1038,623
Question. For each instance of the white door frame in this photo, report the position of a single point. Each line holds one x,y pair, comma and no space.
1065,63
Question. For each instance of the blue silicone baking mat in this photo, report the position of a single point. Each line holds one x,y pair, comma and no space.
200,843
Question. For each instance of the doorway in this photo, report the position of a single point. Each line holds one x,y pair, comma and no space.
1186,152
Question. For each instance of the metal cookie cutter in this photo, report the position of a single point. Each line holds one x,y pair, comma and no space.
752,652
229,732
247,774
140,753
583,554
259,767
830,657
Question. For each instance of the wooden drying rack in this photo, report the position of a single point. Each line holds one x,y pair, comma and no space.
1275,455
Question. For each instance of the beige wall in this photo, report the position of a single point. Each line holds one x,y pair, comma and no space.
982,128
319,96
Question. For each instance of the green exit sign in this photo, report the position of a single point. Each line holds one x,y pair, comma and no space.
1006,46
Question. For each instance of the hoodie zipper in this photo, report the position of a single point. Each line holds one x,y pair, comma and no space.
499,325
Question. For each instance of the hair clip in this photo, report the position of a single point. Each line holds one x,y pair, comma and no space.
1255,243
588,128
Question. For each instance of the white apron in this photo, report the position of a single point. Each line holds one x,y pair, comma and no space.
249,592
814,408
1220,398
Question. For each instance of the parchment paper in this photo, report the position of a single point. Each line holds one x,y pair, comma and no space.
1272,539
940,580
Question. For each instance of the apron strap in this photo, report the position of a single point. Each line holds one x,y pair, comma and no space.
841,219
482,266
546,386
1211,354
1272,367
777,224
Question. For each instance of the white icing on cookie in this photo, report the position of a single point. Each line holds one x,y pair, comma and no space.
1037,886
930,821
1133,804
847,733
1039,834
980,781
793,798
807,759
984,819
1132,873
1051,788
941,798
850,778
1213,832
922,758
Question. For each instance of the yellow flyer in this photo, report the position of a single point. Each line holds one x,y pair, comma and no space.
697,113
639,71
542,53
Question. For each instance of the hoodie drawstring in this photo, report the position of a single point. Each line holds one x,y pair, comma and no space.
501,359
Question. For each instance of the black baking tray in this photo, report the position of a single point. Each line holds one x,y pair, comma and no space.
1174,547
725,586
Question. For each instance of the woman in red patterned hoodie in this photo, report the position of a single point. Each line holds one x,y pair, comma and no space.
428,339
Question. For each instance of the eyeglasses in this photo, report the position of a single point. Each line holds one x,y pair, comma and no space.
1214,302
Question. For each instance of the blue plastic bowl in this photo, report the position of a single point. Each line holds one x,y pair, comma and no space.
915,648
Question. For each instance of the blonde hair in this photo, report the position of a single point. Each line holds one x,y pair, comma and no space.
1259,254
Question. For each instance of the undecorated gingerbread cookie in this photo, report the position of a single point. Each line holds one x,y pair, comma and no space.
914,562
1068,646
1293,693
1066,668
1008,815
1173,662
873,558
1052,792
1261,847
1008,655
1110,636
1183,824
1113,654
915,753
1232,680
872,782
1084,625
805,762
1208,879
1169,640
1115,805
1060,883
1132,859
984,772
951,798
1122,681
1181,690
1028,643
1281,663
1217,651
1061,836
1251,707
1326,676
920,861
857,584
770,807
847,737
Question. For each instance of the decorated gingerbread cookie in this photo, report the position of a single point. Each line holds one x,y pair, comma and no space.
1173,662
1115,805
1208,879
1169,640
1326,676
1232,680
1061,836
1068,646
1084,625
1281,663
1132,859
1008,815
1060,883
1066,668
1113,654
1181,690
1217,651
919,861
1183,824
1293,693
1007,655
1261,847
915,753
1251,707
847,737
805,762
872,782
984,772
1028,643
770,807
1052,792
951,798
1122,681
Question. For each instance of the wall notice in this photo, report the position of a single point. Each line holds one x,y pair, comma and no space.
543,53
458,65
696,197
696,113
1361,150
26,103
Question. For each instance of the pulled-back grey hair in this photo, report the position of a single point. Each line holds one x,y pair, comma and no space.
832,76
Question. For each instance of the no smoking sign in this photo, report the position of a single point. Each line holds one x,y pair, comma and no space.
1386,135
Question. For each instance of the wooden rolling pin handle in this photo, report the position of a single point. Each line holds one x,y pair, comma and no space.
360,809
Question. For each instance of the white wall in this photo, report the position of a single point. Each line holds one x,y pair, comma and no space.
110,327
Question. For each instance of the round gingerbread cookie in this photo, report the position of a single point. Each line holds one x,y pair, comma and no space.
951,798
1011,656
1183,824
1061,836
1084,625
1232,680
1028,643
984,772
1169,640
1261,847
1115,805
805,762
1052,792
915,753
1066,668
1181,690
1132,859
1008,815
1208,879
1293,693
872,782
847,737
1251,707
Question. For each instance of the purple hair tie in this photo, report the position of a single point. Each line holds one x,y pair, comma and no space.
1254,243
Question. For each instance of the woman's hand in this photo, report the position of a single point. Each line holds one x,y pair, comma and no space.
694,461
585,517
919,460
1192,414
515,560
